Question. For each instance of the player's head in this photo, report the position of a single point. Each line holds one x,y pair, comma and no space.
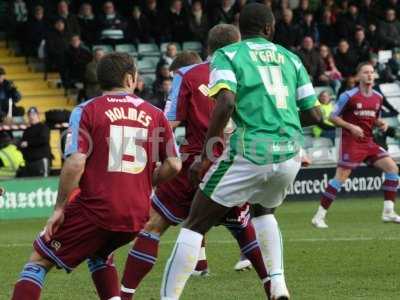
257,19
366,73
222,35
185,58
117,71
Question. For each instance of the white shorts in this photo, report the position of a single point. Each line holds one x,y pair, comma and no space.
235,182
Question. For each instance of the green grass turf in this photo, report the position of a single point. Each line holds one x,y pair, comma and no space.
356,258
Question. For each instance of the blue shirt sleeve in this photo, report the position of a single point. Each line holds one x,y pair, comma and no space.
71,146
174,97
340,104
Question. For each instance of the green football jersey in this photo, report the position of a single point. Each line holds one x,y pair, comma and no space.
271,86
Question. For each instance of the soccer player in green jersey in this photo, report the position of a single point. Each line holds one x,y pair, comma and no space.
264,88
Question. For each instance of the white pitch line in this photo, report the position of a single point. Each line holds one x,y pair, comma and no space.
298,240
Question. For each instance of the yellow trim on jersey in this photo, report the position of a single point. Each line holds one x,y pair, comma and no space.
217,88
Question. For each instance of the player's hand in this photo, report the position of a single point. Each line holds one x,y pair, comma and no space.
54,222
357,131
198,169
383,126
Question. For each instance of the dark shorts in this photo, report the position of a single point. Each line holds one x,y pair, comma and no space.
351,155
173,200
78,239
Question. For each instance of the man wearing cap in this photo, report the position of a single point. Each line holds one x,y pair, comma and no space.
35,146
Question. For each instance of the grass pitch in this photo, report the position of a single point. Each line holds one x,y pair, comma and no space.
356,258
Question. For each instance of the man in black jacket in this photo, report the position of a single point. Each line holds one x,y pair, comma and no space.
35,146
7,91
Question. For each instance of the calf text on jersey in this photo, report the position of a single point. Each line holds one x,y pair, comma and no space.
125,113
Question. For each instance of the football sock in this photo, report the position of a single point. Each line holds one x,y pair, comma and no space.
202,263
140,261
330,193
270,239
250,247
390,190
30,283
105,278
181,264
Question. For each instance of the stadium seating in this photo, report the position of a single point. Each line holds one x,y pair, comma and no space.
392,93
146,66
105,48
145,50
126,48
384,56
148,79
192,46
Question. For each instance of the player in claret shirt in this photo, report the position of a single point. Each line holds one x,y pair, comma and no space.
357,112
114,144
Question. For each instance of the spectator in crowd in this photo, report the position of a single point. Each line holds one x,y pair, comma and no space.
91,84
178,21
224,12
301,10
162,73
169,56
160,96
56,48
326,5
308,27
327,30
8,91
326,129
159,27
11,159
88,24
394,64
138,27
37,31
346,60
77,57
198,22
287,33
361,45
313,62
389,30
142,90
111,25
349,83
279,8
35,146
347,22
70,20
331,71
367,11
19,20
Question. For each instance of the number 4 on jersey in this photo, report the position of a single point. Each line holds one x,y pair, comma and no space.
273,82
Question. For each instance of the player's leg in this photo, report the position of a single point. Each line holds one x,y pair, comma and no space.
390,185
203,215
245,235
334,186
32,277
143,254
201,268
105,277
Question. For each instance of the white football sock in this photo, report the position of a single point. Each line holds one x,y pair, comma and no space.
115,298
270,240
181,264
202,254
388,206
321,212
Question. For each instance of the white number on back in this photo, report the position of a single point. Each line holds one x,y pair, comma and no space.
124,154
273,82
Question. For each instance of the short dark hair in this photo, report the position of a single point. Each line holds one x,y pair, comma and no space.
112,68
254,17
222,35
185,58
362,65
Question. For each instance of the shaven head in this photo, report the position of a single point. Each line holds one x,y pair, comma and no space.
222,35
257,19
185,58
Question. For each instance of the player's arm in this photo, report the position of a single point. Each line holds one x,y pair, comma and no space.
176,111
77,149
309,110
338,121
171,163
